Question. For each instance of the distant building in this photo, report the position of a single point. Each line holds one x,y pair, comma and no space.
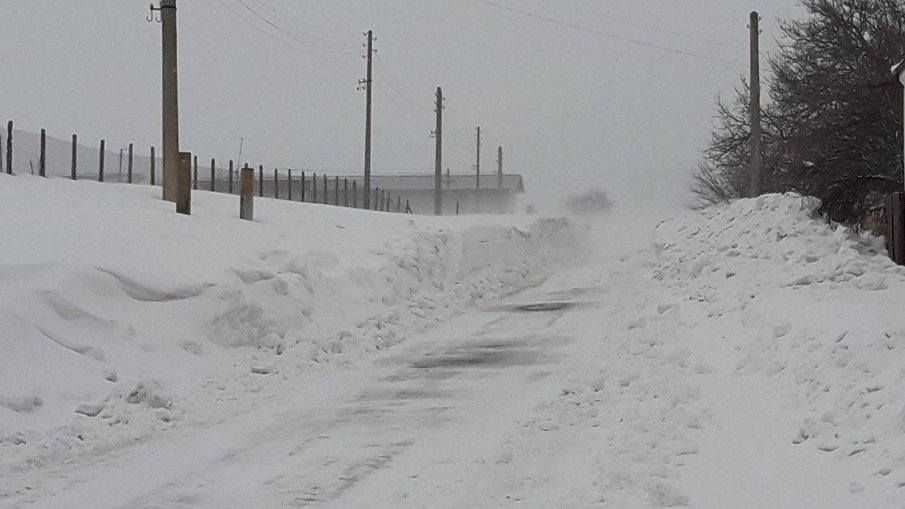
496,196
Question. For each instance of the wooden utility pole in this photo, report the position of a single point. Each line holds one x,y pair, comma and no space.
756,129
477,185
367,84
100,166
170,116
499,167
75,155
131,149
438,158
42,160
9,147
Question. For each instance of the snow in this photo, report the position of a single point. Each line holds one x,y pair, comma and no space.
746,355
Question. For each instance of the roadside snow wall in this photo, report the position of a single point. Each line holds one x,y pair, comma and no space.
810,310
117,315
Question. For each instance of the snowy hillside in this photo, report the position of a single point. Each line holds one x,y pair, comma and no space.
119,317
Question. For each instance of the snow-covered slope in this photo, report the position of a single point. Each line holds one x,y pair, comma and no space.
802,324
119,317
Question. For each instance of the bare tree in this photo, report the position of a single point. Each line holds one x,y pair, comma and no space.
832,125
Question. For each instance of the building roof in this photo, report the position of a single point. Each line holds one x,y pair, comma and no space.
512,182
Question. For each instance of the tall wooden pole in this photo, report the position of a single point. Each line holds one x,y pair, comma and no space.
368,82
170,102
100,165
153,166
499,167
131,153
438,157
756,129
42,159
9,147
75,156
477,185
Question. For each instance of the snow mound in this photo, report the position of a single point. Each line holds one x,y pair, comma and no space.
806,310
119,318
783,230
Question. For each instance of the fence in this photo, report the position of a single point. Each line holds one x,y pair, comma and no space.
285,184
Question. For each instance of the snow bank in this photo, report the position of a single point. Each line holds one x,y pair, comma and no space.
119,317
811,313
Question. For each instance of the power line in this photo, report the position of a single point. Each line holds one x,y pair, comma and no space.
392,84
645,26
279,40
302,22
294,36
611,36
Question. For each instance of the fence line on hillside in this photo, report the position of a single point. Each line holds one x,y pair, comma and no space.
287,184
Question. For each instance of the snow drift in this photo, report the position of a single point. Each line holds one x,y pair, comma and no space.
119,317
805,313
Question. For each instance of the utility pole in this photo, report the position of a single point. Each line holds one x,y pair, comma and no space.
756,129
477,185
438,161
367,85
499,167
170,175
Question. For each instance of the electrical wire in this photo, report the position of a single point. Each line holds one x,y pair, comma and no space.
609,35
272,37
392,84
296,37
303,22
645,26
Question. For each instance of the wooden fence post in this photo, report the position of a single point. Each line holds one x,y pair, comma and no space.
276,185
289,186
184,183
336,191
325,189
100,168
247,194
9,147
376,198
42,158
457,207
153,165
261,181
303,187
398,204
213,174
408,207
129,174
346,192
75,157
354,194
230,176
195,174
314,187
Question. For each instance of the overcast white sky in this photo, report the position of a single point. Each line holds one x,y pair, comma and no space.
573,109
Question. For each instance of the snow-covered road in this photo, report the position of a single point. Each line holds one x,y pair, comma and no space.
743,357
429,423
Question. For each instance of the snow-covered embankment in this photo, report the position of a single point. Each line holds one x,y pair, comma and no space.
119,317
